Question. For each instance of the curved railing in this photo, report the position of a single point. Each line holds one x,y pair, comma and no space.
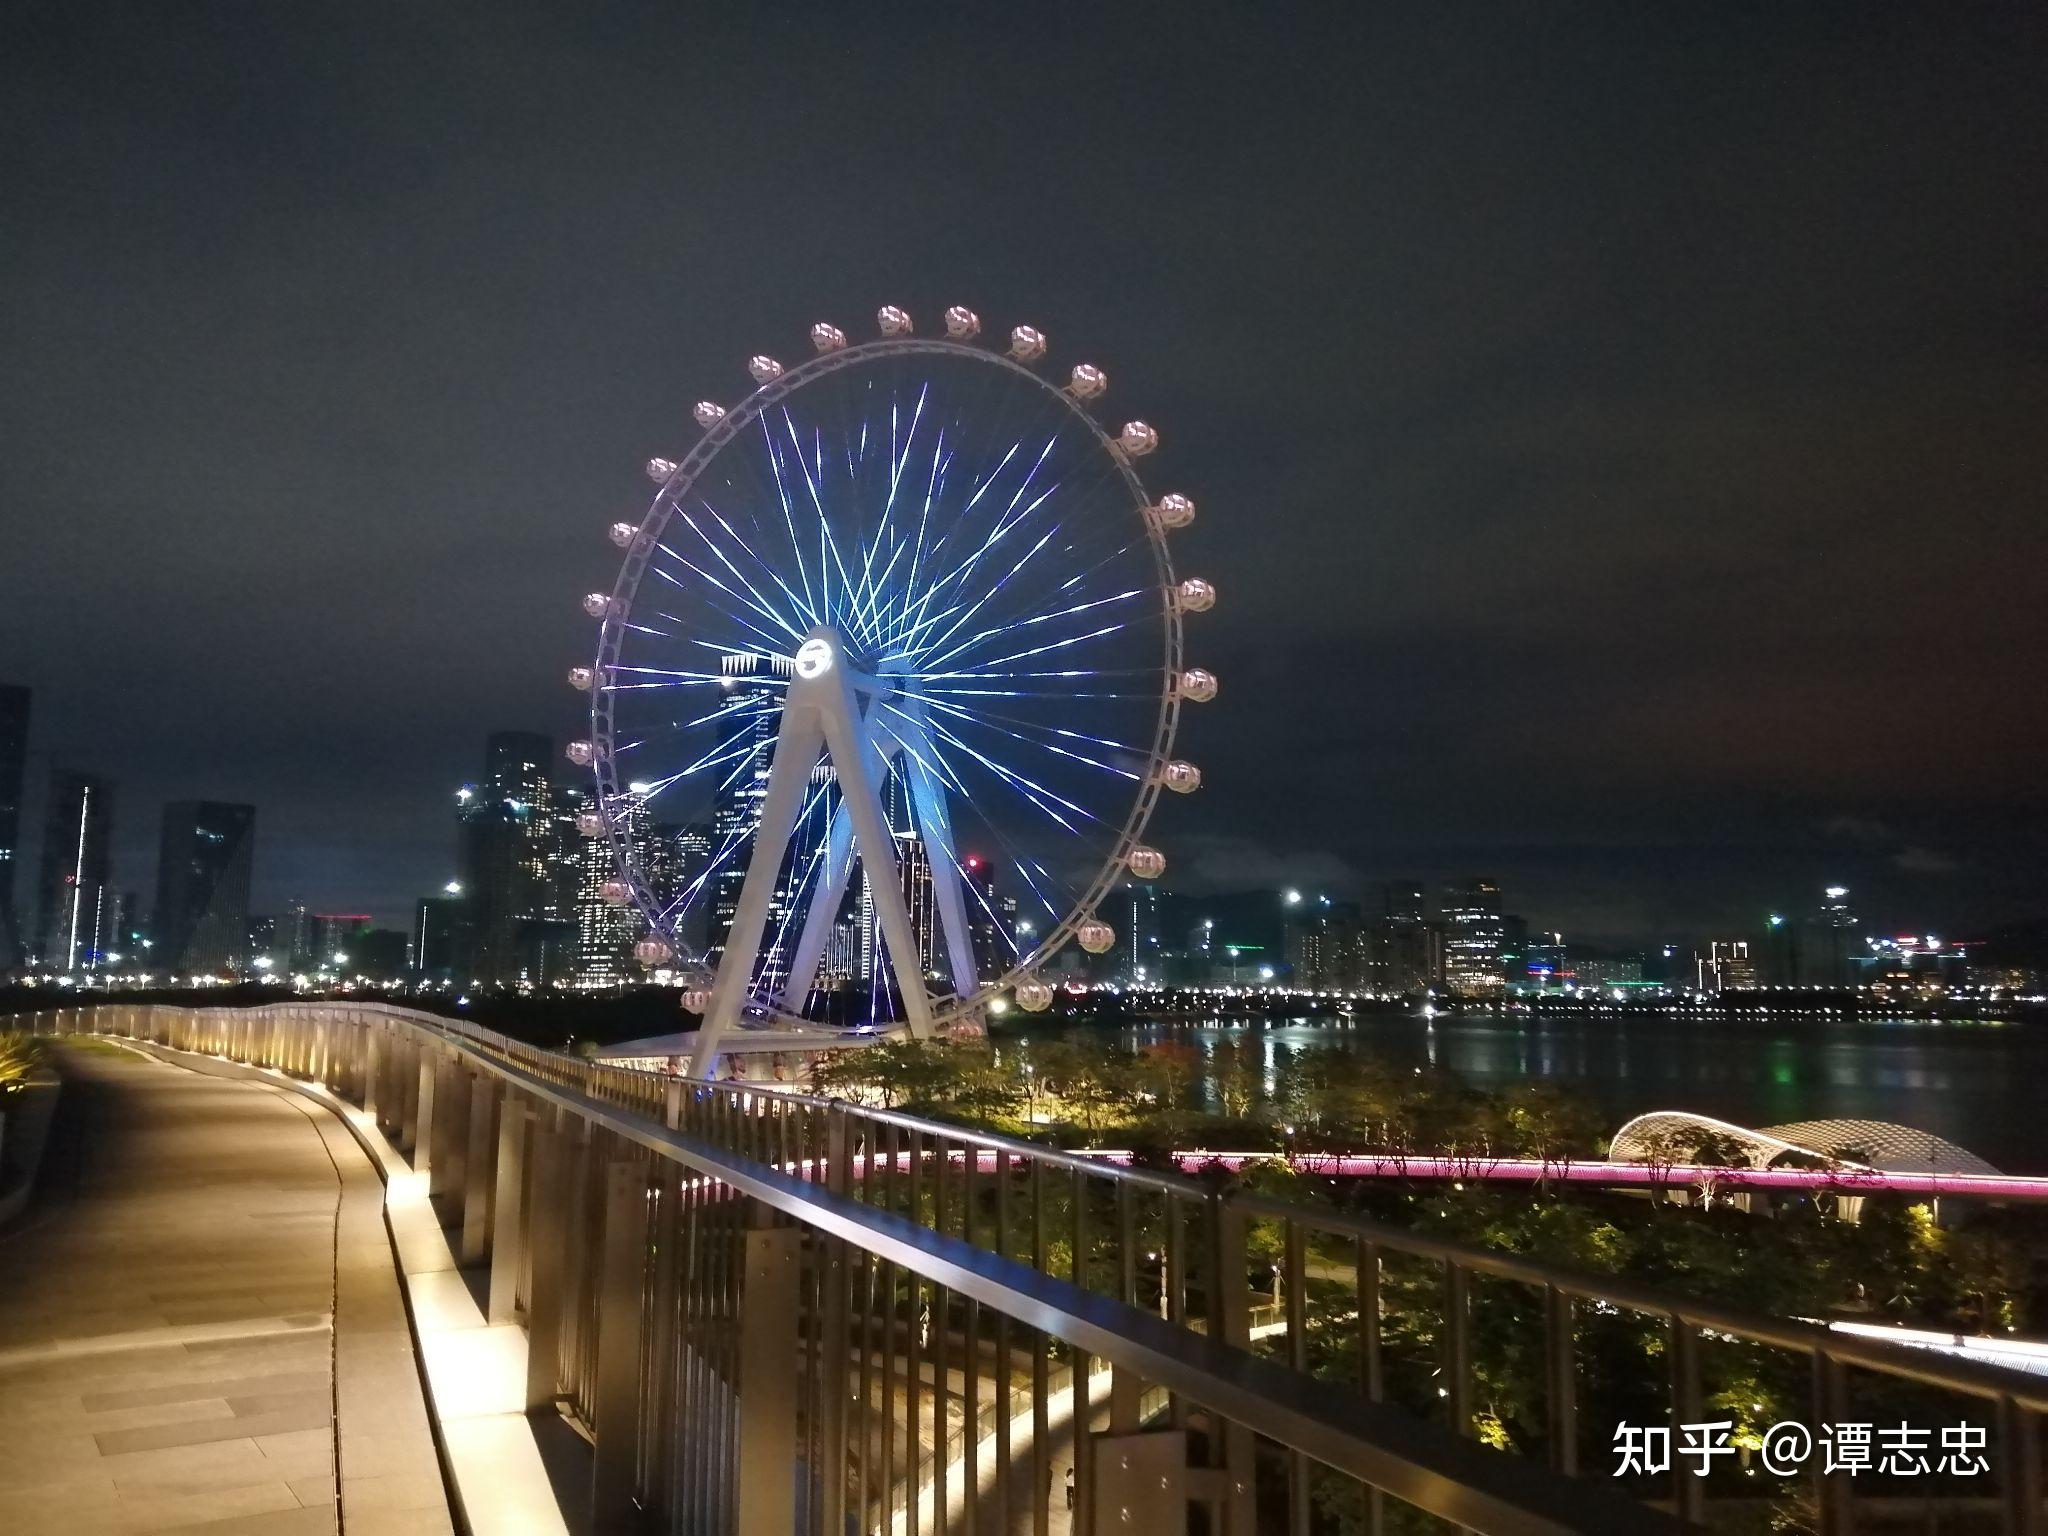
776,1312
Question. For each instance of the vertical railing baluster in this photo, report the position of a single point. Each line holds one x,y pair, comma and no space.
1560,1347
2019,1442
1457,1361
1682,1341
1041,1431
1294,1294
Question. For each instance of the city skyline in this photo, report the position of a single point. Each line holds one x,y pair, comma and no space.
520,769
1611,536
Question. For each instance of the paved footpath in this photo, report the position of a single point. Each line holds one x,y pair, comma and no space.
168,1320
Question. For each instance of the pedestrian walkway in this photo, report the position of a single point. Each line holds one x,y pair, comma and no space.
200,1322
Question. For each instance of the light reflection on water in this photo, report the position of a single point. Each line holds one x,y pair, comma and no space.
1975,1082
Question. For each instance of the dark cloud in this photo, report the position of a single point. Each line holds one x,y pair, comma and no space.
1617,428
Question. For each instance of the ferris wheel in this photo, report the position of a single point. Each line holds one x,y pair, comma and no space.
896,650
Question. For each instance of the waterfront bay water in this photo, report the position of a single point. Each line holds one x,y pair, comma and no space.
1981,1084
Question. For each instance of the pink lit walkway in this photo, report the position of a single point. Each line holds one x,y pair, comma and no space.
1848,1181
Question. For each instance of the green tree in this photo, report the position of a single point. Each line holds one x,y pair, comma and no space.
1234,1074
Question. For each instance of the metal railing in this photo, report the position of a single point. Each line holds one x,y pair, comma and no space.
776,1312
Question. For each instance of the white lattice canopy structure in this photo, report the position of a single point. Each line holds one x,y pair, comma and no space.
1857,1143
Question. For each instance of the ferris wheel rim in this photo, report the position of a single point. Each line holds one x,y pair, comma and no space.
946,1009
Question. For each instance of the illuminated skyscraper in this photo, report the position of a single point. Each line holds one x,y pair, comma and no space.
1474,937
676,855
440,939
296,938
76,918
1323,944
14,706
737,814
992,921
203,867
1725,966
605,930
1829,948
334,938
508,839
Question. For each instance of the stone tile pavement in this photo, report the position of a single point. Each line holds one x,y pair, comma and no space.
200,1321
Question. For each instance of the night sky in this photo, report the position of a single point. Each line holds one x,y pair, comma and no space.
1619,430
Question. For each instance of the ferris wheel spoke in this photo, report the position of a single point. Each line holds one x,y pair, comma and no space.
906,741
987,724
1004,521
1003,723
900,462
1015,625
928,648
797,604
868,623
796,547
1044,901
1038,794
679,678
990,595
911,595
1011,518
1071,583
775,619
826,541
1022,693
941,461
1037,650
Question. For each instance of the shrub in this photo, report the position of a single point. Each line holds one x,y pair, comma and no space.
20,1055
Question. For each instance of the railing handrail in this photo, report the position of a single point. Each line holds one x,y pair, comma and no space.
1979,1379
1405,1456
1928,1368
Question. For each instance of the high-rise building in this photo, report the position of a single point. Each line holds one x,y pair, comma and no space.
297,937
382,954
1406,902
750,682
1324,944
1724,966
678,854
510,851
1403,949
75,923
203,868
1475,936
14,707
992,923
130,934
605,930
334,936
440,938
1828,950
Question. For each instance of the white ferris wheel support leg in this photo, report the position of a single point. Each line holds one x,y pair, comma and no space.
912,742
816,707
928,799
824,910
847,742
796,751
830,890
